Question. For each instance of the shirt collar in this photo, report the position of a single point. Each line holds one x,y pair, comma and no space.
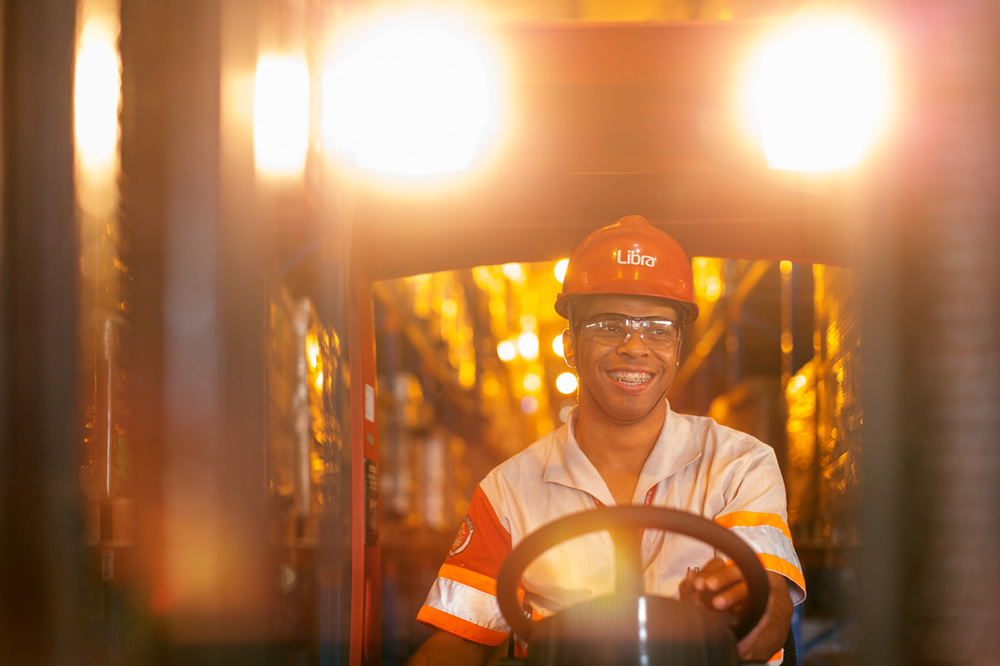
675,448
567,465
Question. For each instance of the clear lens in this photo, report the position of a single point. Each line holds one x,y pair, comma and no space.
614,329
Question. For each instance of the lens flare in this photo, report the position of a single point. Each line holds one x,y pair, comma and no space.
411,94
281,114
820,93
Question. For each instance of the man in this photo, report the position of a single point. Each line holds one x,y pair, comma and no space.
627,295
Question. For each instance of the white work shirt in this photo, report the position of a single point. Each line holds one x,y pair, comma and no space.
696,466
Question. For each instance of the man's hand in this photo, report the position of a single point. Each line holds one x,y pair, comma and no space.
720,586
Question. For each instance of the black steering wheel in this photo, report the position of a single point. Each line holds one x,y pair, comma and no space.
624,523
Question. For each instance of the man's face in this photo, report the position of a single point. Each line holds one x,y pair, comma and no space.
624,382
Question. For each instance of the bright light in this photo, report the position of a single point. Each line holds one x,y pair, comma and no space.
557,345
531,382
566,383
411,94
467,374
507,350
560,269
491,386
281,114
787,343
527,346
312,350
820,94
514,272
97,95
797,383
713,288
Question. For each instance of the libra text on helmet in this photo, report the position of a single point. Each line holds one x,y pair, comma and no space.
633,258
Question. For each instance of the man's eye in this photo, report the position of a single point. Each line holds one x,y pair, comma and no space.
610,326
661,330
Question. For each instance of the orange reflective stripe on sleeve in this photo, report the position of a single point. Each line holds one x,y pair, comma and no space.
754,519
473,579
460,627
462,599
778,565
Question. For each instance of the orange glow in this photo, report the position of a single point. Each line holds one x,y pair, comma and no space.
532,382
786,343
713,288
410,93
560,269
557,345
566,383
467,374
514,272
491,386
708,281
820,93
97,94
281,114
312,350
527,346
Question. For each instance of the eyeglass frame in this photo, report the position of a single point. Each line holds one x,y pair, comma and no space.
633,325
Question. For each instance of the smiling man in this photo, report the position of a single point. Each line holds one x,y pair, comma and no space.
627,297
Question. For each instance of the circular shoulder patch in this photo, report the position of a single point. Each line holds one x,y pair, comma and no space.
463,537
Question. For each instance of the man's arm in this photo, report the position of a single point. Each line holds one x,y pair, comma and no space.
721,587
447,649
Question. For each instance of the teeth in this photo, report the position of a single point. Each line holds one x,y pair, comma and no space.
630,378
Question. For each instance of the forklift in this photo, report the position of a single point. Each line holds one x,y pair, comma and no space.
140,304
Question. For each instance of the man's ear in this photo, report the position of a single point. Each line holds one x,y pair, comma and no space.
568,352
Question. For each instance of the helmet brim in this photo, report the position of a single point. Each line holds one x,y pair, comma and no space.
688,311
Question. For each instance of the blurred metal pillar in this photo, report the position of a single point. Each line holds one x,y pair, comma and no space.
196,351
930,592
365,509
41,564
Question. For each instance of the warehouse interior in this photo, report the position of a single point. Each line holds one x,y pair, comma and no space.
243,407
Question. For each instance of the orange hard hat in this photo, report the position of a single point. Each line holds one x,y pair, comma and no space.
632,257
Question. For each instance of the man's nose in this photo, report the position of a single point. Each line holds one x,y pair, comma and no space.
633,343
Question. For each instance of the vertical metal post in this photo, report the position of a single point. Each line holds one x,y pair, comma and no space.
41,572
366,558
931,587
197,351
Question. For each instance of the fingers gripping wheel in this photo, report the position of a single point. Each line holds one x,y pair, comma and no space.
626,521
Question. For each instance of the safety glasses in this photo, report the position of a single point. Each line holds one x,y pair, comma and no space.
614,329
